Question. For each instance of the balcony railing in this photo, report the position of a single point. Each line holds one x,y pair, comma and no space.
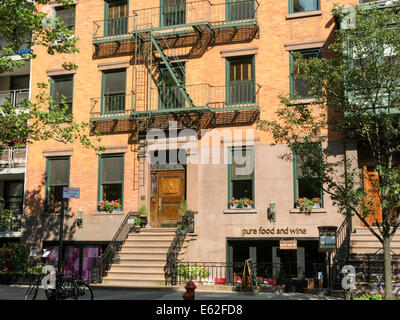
178,15
243,95
194,12
112,28
15,96
12,157
112,105
15,225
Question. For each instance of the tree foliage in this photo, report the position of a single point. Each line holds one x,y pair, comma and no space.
356,90
24,25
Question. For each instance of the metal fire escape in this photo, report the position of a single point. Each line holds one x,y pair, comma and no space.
163,37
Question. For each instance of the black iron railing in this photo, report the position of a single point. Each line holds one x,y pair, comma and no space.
101,265
170,268
343,241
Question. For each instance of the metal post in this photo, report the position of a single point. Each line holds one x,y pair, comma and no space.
60,246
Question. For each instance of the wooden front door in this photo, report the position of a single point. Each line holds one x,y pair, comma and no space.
168,193
370,183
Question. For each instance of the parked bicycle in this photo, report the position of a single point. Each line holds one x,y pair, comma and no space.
380,285
65,288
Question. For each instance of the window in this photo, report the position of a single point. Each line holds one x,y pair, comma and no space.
13,194
240,10
62,88
297,6
113,87
241,173
57,177
116,16
241,81
306,187
300,88
170,96
66,15
111,177
173,12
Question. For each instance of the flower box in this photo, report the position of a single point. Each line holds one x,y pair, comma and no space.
236,206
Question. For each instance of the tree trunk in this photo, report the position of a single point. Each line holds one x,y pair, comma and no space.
387,268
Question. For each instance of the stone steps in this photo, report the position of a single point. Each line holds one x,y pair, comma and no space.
363,241
142,259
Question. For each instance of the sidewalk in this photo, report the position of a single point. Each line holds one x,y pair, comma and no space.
17,292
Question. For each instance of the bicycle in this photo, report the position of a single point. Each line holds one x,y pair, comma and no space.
64,289
379,287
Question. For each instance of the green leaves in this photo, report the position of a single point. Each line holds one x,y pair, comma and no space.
356,90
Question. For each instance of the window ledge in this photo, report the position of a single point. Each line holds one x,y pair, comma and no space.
303,101
104,213
315,210
240,211
303,14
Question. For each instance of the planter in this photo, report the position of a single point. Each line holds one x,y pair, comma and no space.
144,221
236,206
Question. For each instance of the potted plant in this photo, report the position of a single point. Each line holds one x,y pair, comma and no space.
305,204
183,208
317,203
138,222
142,214
243,203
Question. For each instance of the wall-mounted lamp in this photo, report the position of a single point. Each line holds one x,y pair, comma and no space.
272,212
79,218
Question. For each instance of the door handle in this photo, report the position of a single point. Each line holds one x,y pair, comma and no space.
159,203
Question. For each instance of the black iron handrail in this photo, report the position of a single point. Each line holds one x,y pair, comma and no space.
101,265
170,268
342,241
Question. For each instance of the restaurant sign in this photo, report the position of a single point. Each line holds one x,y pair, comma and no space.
327,238
288,244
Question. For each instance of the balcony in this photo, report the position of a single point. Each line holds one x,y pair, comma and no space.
178,18
14,96
12,157
235,104
15,228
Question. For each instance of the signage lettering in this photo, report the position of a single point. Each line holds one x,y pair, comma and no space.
274,231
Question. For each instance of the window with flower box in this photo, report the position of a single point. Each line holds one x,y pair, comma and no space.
57,177
241,177
111,182
307,190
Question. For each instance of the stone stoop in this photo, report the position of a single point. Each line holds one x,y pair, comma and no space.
142,259
363,241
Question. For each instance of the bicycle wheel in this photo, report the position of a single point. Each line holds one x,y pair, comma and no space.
67,290
85,292
32,290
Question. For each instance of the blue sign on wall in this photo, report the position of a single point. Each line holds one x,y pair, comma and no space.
70,193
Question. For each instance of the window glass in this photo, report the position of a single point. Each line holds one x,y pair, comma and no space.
306,186
173,12
301,87
241,173
112,173
62,87
304,5
240,10
112,170
114,82
58,177
59,171
241,87
66,15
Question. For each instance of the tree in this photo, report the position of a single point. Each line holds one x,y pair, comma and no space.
356,90
22,25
